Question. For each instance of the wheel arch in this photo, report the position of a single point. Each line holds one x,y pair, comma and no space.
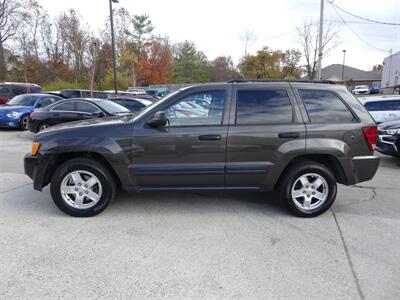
329,161
61,158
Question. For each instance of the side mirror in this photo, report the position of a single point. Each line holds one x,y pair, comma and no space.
159,119
98,114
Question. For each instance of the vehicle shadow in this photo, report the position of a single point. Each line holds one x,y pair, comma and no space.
197,202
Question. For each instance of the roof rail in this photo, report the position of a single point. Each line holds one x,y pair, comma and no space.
281,80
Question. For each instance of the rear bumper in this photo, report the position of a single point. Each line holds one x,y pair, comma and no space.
363,169
36,168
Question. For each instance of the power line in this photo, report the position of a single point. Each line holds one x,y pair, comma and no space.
362,18
355,33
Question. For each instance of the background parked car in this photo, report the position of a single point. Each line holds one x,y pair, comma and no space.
136,91
79,93
73,110
389,138
157,92
361,90
375,89
133,104
382,108
10,89
15,114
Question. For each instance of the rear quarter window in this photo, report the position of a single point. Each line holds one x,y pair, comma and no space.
326,107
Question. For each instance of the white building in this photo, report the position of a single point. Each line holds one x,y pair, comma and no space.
391,73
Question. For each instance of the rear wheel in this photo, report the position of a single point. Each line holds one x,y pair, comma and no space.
24,123
308,189
82,187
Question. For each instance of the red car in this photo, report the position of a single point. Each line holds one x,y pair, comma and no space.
10,89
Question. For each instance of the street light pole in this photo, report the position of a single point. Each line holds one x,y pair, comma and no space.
321,30
344,58
113,45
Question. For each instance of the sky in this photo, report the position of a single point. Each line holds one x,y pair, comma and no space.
216,25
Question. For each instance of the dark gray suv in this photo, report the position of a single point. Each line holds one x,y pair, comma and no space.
300,138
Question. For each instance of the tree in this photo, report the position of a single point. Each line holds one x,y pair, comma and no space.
142,28
222,68
269,63
190,65
308,38
155,64
248,38
10,17
377,68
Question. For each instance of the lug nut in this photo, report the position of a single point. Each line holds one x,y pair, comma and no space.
313,193
86,192
80,194
76,189
308,195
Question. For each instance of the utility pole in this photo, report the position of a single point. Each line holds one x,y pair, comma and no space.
344,58
321,29
113,45
390,68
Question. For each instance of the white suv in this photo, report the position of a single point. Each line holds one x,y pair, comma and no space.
382,108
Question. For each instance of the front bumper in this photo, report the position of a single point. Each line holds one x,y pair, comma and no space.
36,168
6,122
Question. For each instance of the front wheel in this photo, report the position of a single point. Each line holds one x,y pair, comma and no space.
82,187
308,189
24,123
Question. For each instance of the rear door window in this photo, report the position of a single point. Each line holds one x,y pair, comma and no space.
18,90
5,91
263,107
67,106
325,107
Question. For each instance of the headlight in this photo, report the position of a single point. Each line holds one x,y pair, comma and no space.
393,131
14,114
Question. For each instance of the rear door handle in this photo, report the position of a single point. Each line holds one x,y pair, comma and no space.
289,135
209,137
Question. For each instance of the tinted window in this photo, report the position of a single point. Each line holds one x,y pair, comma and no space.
36,89
86,107
129,104
326,107
67,106
383,105
71,93
18,90
263,107
186,112
47,101
5,90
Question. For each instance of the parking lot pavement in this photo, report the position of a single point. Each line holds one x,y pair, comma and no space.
197,245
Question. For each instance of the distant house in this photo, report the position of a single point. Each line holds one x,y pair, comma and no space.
351,76
391,73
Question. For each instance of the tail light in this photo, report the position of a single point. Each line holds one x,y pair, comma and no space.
370,134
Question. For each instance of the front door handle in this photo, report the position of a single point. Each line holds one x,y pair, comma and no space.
289,135
209,137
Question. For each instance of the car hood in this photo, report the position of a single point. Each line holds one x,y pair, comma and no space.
389,125
96,122
10,108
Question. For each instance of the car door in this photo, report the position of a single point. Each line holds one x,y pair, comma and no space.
64,112
263,125
190,150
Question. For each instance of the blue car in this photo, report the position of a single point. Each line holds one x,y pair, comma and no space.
15,114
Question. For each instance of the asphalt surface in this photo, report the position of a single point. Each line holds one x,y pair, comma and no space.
197,245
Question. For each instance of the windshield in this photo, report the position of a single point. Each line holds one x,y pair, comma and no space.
23,100
112,107
361,87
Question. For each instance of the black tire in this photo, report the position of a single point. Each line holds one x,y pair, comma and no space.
41,125
291,176
23,123
83,164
